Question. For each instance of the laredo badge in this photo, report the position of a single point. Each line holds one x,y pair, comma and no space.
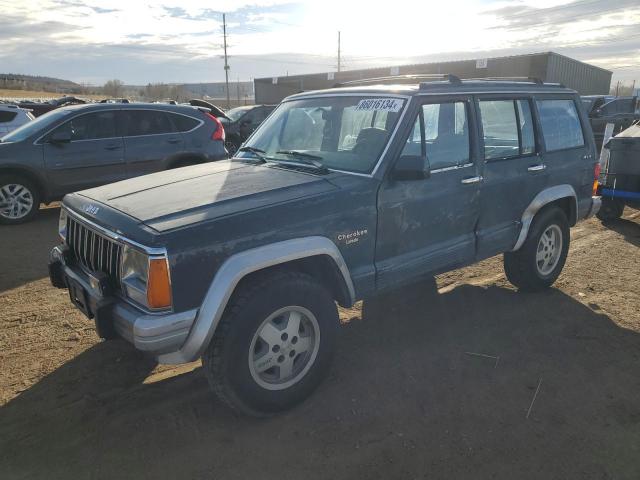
349,238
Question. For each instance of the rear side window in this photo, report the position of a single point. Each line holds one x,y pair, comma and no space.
560,124
183,123
7,116
146,122
446,135
500,127
508,128
92,126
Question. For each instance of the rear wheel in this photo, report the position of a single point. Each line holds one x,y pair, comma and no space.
538,263
19,199
611,209
274,344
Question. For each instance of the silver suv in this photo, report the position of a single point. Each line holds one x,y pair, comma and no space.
83,146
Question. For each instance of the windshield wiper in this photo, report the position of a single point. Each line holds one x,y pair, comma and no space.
258,152
306,158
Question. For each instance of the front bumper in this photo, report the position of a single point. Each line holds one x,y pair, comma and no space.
155,333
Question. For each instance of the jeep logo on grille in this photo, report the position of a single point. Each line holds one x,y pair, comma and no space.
91,209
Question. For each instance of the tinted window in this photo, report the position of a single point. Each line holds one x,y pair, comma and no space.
235,113
560,124
446,135
92,126
183,123
7,116
146,122
255,116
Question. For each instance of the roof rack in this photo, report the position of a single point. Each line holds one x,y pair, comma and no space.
399,79
535,80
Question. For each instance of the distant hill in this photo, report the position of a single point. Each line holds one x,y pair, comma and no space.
36,83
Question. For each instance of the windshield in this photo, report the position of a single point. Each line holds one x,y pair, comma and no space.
235,113
343,133
28,129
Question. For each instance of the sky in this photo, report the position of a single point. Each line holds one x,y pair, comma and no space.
142,42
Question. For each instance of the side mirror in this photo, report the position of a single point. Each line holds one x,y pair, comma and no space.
411,167
61,136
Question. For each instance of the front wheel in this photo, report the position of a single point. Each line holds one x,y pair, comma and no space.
538,263
19,199
274,344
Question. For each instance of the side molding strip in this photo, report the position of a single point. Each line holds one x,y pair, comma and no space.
543,198
233,270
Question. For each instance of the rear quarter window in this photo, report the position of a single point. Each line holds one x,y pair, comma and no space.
183,123
146,122
7,116
561,126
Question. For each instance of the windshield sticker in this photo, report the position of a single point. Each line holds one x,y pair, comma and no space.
380,104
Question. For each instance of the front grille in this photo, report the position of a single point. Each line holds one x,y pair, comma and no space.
94,251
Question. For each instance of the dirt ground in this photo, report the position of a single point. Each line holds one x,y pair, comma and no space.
410,394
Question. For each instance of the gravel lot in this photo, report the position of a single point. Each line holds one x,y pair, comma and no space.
410,394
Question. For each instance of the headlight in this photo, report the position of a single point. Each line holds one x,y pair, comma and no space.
145,279
62,224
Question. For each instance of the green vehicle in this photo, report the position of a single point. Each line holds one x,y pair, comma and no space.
338,195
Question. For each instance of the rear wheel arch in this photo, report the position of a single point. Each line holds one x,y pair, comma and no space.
561,196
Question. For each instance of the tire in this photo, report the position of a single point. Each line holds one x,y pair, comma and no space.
19,199
538,263
611,209
234,362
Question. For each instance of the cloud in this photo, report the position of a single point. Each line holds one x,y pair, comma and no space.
181,40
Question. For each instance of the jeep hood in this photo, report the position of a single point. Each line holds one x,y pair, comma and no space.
175,198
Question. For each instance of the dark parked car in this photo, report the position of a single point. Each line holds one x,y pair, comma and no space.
73,148
620,180
338,195
40,108
620,111
240,122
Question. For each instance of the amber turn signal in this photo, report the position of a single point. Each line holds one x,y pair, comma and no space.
158,285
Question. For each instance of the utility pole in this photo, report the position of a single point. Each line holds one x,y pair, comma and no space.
339,67
226,64
238,85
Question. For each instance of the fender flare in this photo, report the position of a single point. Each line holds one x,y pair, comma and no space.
234,269
543,198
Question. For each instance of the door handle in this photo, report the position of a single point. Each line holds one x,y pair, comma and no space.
537,168
112,147
173,140
470,180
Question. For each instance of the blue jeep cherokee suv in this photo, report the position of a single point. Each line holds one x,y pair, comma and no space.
340,194
78,147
